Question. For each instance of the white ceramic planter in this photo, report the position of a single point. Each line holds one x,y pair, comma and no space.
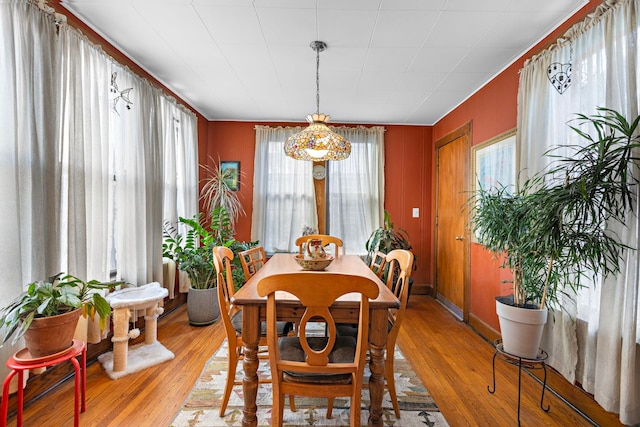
521,328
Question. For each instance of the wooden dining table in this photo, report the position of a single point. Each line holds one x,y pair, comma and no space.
344,310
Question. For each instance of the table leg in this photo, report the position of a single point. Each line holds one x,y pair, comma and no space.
5,397
377,344
250,337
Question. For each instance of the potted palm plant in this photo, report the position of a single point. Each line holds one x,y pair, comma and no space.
555,229
46,314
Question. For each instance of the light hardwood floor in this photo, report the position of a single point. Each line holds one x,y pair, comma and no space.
452,360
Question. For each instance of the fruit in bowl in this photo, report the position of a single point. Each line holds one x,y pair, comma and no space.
313,264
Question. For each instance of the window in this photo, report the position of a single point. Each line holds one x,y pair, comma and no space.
284,198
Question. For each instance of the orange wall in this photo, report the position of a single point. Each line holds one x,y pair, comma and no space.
492,110
408,171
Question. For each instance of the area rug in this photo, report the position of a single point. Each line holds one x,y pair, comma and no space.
202,407
139,357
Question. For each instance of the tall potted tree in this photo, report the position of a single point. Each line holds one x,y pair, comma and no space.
555,229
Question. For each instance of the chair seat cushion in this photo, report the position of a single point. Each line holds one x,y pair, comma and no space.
283,327
343,351
351,330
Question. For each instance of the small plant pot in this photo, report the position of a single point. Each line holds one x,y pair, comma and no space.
51,334
521,327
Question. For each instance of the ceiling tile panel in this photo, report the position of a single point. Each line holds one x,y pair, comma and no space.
231,25
346,28
412,4
415,27
288,27
484,59
459,29
478,6
387,59
437,59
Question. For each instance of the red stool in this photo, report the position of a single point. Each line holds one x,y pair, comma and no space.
21,361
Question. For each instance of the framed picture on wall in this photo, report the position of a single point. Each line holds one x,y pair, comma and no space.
495,162
231,171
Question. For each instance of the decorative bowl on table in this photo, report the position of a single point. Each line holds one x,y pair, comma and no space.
313,264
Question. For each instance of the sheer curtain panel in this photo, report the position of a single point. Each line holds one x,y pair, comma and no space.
29,72
356,188
283,192
596,342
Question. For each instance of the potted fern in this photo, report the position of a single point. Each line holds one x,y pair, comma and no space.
555,229
193,254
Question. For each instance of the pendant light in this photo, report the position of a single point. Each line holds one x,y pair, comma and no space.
317,142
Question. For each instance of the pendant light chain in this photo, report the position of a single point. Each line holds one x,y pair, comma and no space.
317,80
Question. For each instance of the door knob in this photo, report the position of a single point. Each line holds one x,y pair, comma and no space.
459,237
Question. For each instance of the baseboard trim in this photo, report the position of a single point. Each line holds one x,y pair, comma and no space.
483,329
422,289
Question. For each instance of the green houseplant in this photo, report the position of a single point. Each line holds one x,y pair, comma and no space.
193,251
555,229
386,238
193,254
60,296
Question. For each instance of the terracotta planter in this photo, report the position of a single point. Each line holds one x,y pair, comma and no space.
202,306
521,328
52,334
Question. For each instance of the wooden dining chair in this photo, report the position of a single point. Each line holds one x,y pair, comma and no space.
378,261
326,240
252,260
400,266
317,366
232,320
400,263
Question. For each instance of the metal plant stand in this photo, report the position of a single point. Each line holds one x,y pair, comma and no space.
520,362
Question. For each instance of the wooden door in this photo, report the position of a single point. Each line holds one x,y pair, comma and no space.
452,245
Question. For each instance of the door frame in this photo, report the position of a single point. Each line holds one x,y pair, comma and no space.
464,131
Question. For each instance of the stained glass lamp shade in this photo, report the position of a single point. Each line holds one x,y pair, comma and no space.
317,142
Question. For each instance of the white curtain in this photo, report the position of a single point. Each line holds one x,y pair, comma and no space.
139,179
283,192
600,348
29,73
84,156
180,179
180,163
356,188
83,160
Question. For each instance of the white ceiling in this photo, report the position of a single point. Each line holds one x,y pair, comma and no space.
387,62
